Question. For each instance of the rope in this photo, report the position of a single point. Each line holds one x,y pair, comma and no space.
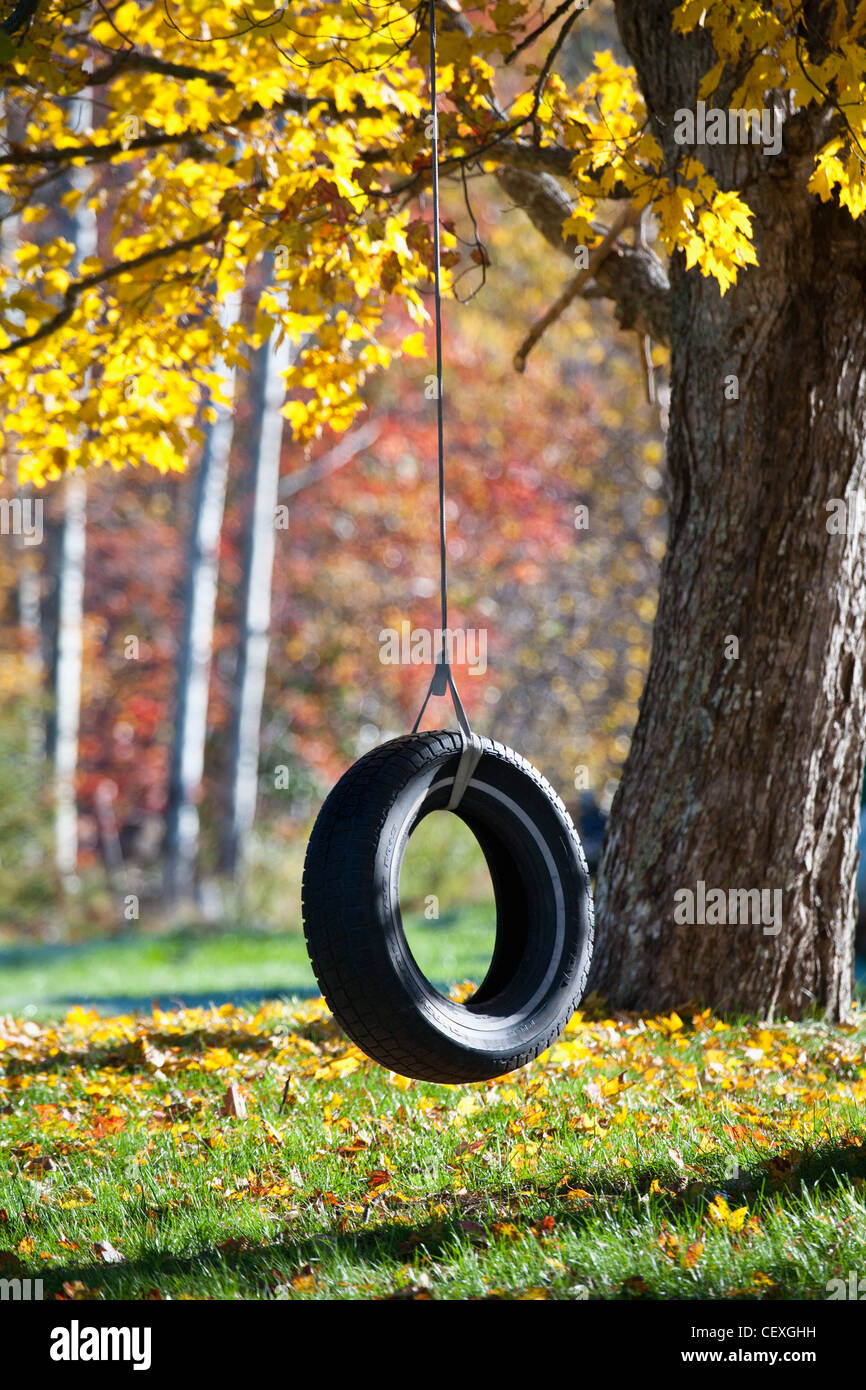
443,680
437,294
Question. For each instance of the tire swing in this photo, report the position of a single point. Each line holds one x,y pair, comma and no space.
351,908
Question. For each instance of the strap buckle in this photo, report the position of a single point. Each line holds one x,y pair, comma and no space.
473,747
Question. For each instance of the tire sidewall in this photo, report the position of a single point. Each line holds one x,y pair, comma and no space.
504,790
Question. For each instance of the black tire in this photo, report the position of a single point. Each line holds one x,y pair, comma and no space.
354,932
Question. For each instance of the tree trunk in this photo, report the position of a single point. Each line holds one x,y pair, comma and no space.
67,675
66,663
30,627
745,770
27,563
268,395
180,849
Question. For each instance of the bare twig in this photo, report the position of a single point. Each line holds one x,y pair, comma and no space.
627,218
551,19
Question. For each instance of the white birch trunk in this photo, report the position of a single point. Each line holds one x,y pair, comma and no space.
67,680
28,582
269,391
193,677
70,597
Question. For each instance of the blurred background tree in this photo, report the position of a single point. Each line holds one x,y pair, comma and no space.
567,599
199,157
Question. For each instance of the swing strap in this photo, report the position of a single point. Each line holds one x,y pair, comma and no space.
441,684
443,681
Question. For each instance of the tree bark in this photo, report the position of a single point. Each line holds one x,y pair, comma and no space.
268,395
67,659
745,773
28,566
67,675
180,847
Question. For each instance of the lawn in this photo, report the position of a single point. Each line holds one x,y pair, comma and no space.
127,974
148,1156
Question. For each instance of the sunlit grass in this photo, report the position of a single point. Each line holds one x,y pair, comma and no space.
640,1158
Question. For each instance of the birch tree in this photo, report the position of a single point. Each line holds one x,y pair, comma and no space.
196,644
734,136
71,551
267,391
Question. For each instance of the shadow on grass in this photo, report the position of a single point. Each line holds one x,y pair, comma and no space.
263,1271
171,969
137,1054
205,999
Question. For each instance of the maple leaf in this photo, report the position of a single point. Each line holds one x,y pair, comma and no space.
378,1178
722,1214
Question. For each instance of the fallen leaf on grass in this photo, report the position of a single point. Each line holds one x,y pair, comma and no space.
273,1136
635,1284
234,1104
106,1252
721,1213
545,1227
417,1291
669,1243
472,1147
110,1123
153,1059
353,1149
41,1165
78,1196
304,1279
233,1245
506,1230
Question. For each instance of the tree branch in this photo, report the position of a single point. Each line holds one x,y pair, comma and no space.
128,60
551,19
575,286
21,17
97,153
341,454
109,272
633,277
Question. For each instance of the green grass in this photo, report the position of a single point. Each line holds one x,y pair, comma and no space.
125,974
642,1158
444,872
